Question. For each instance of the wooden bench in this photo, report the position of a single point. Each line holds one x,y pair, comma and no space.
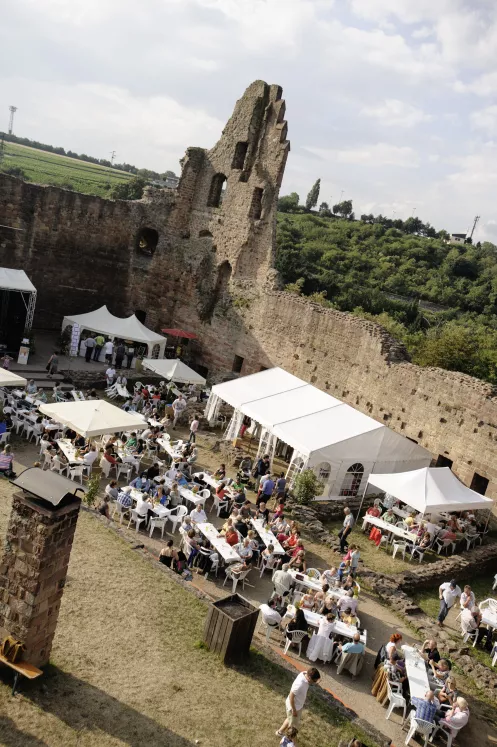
21,667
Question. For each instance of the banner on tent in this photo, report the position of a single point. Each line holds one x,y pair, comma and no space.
74,344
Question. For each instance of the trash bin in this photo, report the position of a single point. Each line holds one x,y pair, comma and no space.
229,628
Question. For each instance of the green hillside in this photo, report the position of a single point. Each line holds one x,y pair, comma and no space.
446,315
42,167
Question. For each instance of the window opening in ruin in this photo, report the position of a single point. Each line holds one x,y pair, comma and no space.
147,240
155,351
442,461
479,484
239,157
237,364
204,233
324,470
255,211
217,191
141,315
352,480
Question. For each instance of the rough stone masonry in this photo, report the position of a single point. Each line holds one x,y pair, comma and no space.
201,258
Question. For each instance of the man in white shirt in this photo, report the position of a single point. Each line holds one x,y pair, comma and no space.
90,456
198,515
348,523
448,593
468,600
470,620
282,580
348,602
296,699
270,615
108,350
179,405
110,375
193,429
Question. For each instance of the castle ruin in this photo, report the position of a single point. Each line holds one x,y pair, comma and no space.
201,257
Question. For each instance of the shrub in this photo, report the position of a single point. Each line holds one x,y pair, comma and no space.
307,487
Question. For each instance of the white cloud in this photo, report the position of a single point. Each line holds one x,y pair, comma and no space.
395,113
484,85
422,33
486,120
378,154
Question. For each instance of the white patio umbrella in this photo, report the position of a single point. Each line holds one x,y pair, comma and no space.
8,378
173,370
93,417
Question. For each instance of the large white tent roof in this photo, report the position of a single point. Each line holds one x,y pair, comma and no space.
129,328
173,370
430,489
313,422
15,280
93,417
8,378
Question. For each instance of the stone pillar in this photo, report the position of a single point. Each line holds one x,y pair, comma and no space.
33,573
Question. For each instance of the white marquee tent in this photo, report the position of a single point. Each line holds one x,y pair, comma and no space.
432,489
105,323
93,417
8,378
173,370
341,444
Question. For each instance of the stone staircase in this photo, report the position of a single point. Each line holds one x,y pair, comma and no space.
39,376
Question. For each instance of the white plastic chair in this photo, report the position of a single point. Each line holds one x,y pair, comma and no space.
106,467
494,655
399,547
124,468
471,635
47,459
235,577
76,472
137,518
267,628
58,466
177,514
419,552
396,699
121,510
419,726
269,564
383,541
296,636
158,523
219,505
449,732
495,583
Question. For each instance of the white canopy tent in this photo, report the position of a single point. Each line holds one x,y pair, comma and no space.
173,370
18,281
114,327
430,490
93,417
8,378
341,444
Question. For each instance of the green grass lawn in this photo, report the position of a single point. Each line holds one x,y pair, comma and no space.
43,167
379,560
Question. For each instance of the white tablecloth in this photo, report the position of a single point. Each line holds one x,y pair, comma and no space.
339,628
69,451
315,585
267,536
489,616
165,444
184,491
160,511
386,527
219,543
416,672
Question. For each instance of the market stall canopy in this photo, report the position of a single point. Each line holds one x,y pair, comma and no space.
180,333
7,378
318,426
431,489
93,417
15,280
129,328
173,370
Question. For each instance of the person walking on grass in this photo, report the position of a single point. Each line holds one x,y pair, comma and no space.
448,593
193,429
348,523
296,699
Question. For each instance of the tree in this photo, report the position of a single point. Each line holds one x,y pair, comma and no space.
313,196
130,190
296,287
343,208
289,203
307,487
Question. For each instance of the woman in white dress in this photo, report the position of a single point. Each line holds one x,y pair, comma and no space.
321,645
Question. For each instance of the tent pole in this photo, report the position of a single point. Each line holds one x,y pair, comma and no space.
488,519
362,499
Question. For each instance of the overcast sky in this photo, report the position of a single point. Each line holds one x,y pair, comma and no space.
392,101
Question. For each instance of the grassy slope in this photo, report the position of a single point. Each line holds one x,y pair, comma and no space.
127,667
48,168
